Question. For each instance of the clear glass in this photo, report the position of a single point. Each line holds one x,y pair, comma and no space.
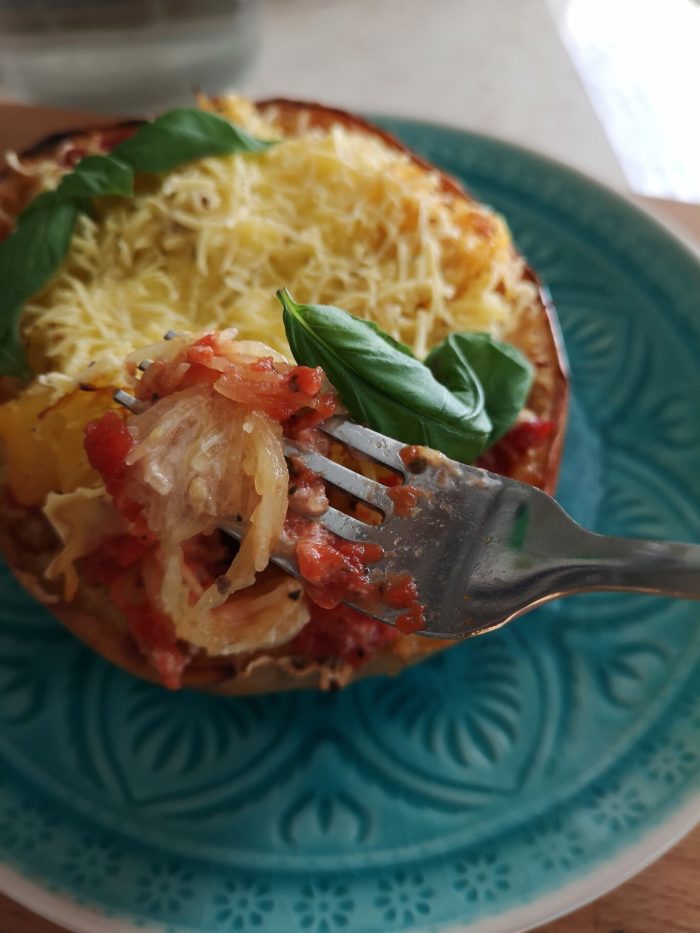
124,56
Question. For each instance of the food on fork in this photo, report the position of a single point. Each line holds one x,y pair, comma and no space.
190,223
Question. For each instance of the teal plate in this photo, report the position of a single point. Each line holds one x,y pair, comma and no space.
490,788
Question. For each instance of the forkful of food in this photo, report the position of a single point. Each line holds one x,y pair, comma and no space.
446,549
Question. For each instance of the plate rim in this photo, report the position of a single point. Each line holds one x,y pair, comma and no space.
58,906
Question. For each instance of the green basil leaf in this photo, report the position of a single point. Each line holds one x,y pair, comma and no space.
381,383
465,361
13,356
44,200
181,136
94,176
387,338
32,253
28,259
97,176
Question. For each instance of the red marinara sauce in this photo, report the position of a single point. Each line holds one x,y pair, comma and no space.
510,449
332,569
341,634
335,571
405,498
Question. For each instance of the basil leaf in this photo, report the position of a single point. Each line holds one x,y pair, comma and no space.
97,176
13,356
387,338
94,176
465,361
181,136
28,259
381,383
31,254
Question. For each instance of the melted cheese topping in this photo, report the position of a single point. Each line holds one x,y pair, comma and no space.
338,217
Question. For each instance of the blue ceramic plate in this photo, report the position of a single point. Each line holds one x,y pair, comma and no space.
494,786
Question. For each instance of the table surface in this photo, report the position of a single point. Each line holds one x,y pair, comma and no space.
665,898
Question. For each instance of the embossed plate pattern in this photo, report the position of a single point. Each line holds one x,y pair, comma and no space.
472,787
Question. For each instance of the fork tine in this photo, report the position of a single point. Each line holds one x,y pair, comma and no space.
128,401
338,522
375,446
345,526
355,484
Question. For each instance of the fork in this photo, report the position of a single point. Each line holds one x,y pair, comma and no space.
481,548
484,549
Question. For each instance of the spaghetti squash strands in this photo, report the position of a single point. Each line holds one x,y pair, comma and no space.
199,458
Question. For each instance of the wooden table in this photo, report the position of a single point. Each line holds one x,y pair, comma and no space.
663,899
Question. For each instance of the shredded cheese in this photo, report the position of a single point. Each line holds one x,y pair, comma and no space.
338,217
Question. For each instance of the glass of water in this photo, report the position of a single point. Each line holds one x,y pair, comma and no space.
124,56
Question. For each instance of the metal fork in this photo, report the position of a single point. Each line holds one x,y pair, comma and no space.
481,548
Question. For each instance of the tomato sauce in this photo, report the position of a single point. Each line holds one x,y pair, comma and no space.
414,458
114,555
342,634
154,633
405,498
506,453
399,591
336,571
115,565
107,443
333,570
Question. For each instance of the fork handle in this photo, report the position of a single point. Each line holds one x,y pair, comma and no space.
597,562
